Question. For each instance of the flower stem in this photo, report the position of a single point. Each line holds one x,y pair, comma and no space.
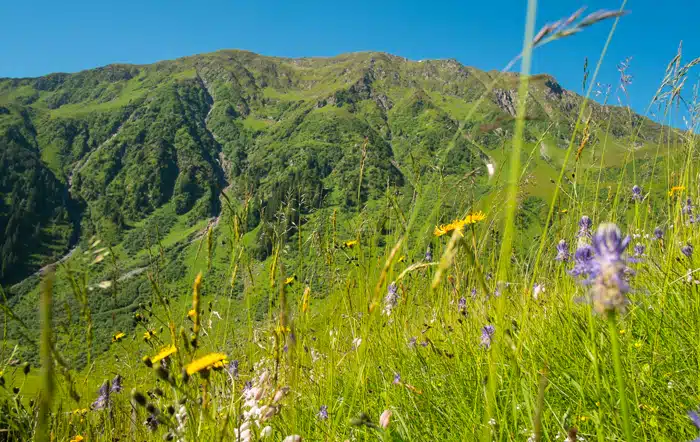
617,363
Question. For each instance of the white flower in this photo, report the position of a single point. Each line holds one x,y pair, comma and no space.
385,419
356,343
293,438
266,432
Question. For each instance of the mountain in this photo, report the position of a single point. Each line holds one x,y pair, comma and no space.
116,150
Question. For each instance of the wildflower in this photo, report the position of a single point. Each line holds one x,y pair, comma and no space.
687,250
323,413
148,335
428,255
458,225
397,379
233,368
102,400
116,384
462,305
675,189
391,298
151,422
607,269
695,418
486,334
583,258
584,227
688,207
292,438
191,314
266,432
350,244
562,251
77,438
385,419
537,289
165,352
638,252
290,280
658,233
118,337
204,363
474,218
412,342
637,193
356,343
104,285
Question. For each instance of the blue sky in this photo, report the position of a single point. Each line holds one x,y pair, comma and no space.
43,36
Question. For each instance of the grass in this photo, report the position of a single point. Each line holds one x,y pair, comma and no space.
454,346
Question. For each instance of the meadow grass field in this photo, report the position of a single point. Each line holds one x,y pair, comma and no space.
405,330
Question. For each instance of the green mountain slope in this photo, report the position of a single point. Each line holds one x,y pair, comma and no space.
107,147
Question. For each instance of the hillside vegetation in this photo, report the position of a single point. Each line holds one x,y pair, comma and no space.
264,247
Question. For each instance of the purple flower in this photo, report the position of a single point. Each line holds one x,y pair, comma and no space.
688,208
695,418
151,422
116,384
638,253
412,342
658,233
562,251
323,413
583,259
473,293
391,298
233,368
637,193
608,269
462,304
428,255
397,379
486,334
584,227
537,289
687,250
102,400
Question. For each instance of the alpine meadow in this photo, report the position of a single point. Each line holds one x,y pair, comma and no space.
237,247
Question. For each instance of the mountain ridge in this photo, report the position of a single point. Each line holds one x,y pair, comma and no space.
122,141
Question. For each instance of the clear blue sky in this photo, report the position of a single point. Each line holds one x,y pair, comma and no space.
43,36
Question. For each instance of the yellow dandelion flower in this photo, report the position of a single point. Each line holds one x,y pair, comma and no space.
459,224
474,218
149,334
350,244
290,280
675,189
403,258
219,365
191,314
204,363
638,344
564,211
77,438
118,336
162,354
